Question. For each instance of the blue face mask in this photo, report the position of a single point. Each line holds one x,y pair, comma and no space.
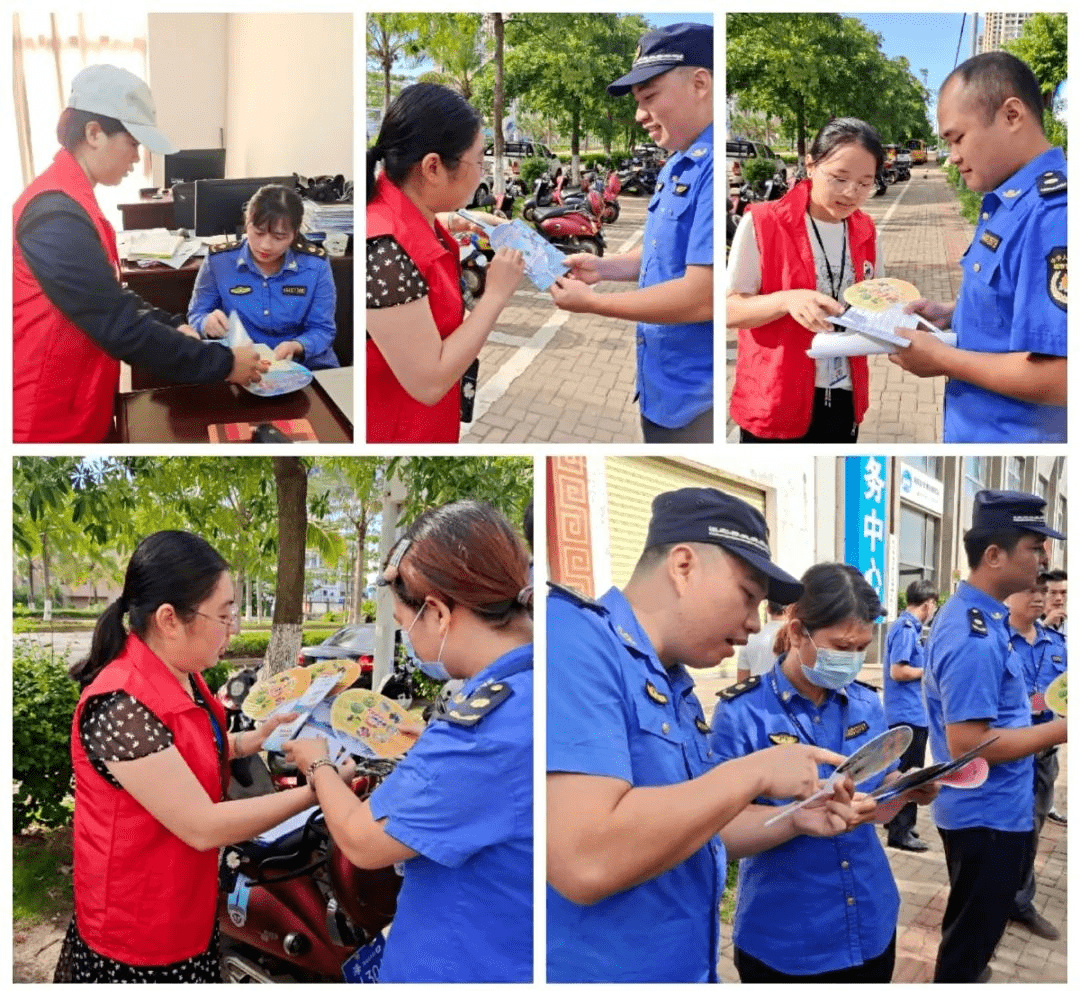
431,669
834,669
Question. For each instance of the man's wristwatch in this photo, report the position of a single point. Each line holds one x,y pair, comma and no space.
315,765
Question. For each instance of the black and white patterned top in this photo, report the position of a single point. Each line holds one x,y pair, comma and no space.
392,277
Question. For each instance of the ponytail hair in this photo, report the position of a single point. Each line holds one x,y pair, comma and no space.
424,118
832,593
171,566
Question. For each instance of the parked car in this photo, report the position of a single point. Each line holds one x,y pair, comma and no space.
355,642
739,150
515,151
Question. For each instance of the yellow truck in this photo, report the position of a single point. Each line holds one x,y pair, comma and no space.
918,151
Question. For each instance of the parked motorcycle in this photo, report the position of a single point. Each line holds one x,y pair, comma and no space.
543,195
574,227
295,909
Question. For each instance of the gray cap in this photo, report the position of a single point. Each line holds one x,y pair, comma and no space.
115,92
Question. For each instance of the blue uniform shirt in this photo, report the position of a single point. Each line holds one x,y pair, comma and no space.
675,360
1043,661
812,904
903,699
1013,298
615,711
295,304
972,673
462,799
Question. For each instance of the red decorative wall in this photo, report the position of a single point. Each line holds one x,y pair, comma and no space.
568,537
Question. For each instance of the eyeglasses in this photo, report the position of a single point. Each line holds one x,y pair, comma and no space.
229,624
843,185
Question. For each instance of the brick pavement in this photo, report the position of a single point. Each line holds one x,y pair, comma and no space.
547,376
923,236
923,880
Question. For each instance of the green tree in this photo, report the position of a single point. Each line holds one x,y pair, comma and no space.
458,46
1043,45
391,39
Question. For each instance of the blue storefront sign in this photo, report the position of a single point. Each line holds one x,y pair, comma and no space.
866,510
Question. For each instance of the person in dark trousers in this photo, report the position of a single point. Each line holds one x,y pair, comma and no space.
905,654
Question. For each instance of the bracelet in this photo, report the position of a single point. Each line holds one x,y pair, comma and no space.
315,764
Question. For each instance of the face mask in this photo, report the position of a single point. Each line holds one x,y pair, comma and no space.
834,668
431,669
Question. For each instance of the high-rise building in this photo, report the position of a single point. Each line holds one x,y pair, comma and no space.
999,28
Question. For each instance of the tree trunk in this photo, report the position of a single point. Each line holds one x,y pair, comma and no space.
575,147
497,100
30,595
287,630
45,564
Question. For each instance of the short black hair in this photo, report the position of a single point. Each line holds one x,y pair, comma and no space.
653,556
1057,575
975,545
71,128
921,591
842,131
774,608
993,77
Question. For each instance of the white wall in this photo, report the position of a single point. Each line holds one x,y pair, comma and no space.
290,94
279,87
188,61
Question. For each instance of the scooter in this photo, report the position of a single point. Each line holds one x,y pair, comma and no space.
295,909
543,195
608,189
573,228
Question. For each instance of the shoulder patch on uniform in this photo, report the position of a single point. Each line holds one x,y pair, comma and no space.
703,727
470,709
977,623
217,249
655,694
866,684
1052,182
308,248
240,290
781,738
1057,277
681,188
294,290
574,596
990,240
856,730
739,688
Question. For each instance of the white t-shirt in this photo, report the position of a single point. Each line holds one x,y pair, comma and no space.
744,276
758,654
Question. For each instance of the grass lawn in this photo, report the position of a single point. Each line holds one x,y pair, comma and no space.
41,875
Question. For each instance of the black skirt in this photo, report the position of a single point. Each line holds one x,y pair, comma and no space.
78,964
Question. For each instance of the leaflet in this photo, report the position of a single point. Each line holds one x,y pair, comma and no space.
544,263
303,706
918,777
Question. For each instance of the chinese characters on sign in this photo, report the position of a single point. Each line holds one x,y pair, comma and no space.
866,510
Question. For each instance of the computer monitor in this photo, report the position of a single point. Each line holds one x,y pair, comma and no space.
187,166
219,203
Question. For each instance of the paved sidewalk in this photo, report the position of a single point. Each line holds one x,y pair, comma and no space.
547,376
923,236
923,880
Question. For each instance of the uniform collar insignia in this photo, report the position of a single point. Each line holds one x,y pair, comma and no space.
655,694
698,152
703,727
626,636
1010,193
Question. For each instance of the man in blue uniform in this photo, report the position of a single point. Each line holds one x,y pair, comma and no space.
636,867
1007,374
671,80
1042,652
975,692
903,671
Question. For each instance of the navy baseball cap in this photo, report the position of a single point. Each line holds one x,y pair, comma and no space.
1002,509
665,49
709,516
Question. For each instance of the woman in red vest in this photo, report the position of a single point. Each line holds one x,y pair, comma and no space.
73,321
791,260
420,340
151,752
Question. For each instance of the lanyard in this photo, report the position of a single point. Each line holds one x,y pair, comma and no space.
799,730
834,287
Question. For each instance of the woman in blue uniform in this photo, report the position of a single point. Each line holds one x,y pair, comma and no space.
458,809
279,283
836,895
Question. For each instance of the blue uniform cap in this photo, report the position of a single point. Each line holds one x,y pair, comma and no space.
1008,510
664,49
709,516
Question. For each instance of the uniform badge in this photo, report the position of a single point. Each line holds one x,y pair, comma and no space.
659,186
655,694
1012,193
240,290
781,738
681,189
977,623
1051,183
294,290
626,636
468,710
1057,277
703,727
857,730
990,240
698,152
734,691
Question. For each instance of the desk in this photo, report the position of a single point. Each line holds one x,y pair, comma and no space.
170,290
149,213
182,413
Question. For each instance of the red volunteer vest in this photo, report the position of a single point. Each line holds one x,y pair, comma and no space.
392,414
774,378
64,384
142,895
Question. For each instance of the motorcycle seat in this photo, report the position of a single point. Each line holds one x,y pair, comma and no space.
545,213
